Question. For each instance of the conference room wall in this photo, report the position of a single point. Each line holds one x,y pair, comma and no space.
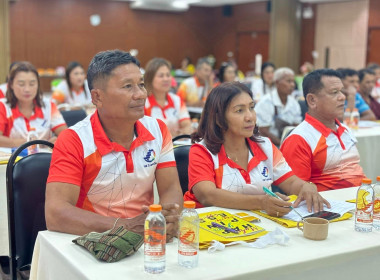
373,54
52,32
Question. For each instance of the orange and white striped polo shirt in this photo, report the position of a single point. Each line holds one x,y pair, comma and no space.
327,158
45,120
191,90
172,114
266,166
113,181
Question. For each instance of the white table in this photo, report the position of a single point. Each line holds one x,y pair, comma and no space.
369,149
345,254
4,245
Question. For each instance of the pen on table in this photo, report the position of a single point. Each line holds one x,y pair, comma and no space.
269,192
224,227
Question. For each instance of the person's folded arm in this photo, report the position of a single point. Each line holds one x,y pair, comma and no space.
8,142
62,215
305,191
208,195
368,115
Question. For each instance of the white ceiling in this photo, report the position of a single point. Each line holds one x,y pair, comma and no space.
213,3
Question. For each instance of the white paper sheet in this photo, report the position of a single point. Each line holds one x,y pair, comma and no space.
337,206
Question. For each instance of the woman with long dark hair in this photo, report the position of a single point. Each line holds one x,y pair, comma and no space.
230,163
24,109
72,90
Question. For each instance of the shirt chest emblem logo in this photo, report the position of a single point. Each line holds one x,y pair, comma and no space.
265,172
150,155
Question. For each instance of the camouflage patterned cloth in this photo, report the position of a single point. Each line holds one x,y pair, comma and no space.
111,245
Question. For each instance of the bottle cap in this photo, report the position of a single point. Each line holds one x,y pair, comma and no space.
155,208
355,110
194,120
366,181
189,204
32,129
378,178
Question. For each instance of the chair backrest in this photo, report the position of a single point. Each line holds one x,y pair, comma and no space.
304,108
26,184
181,154
73,116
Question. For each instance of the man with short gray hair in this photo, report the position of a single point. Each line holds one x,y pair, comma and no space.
194,90
279,109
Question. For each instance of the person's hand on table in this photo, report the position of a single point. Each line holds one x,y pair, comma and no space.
171,214
135,224
276,207
314,200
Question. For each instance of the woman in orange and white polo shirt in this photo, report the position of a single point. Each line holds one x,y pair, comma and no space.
162,104
72,90
230,163
24,109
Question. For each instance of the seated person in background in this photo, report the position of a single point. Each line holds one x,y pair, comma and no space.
278,109
194,90
366,84
227,73
230,163
162,104
376,90
102,169
350,80
321,149
24,109
266,84
74,89
186,66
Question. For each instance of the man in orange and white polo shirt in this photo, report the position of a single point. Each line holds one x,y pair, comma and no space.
103,168
194,90
321,149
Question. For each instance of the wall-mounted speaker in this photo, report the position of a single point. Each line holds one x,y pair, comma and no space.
227,10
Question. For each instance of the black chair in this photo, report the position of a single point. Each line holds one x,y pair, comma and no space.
26,184
73,116
181,154
304,108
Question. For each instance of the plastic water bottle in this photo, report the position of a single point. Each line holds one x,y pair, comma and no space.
355,117
188,237
194,124
154,240
364,207
347,117
32,135
376,204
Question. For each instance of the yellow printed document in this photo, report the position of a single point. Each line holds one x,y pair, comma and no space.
226,227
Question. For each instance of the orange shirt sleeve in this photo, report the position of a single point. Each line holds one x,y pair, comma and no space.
3,118
298,155
67,163
201,166
182,91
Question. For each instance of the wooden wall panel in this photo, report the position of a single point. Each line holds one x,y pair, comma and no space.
308,36
50,33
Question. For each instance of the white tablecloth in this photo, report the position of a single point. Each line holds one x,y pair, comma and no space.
369,150
345,254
